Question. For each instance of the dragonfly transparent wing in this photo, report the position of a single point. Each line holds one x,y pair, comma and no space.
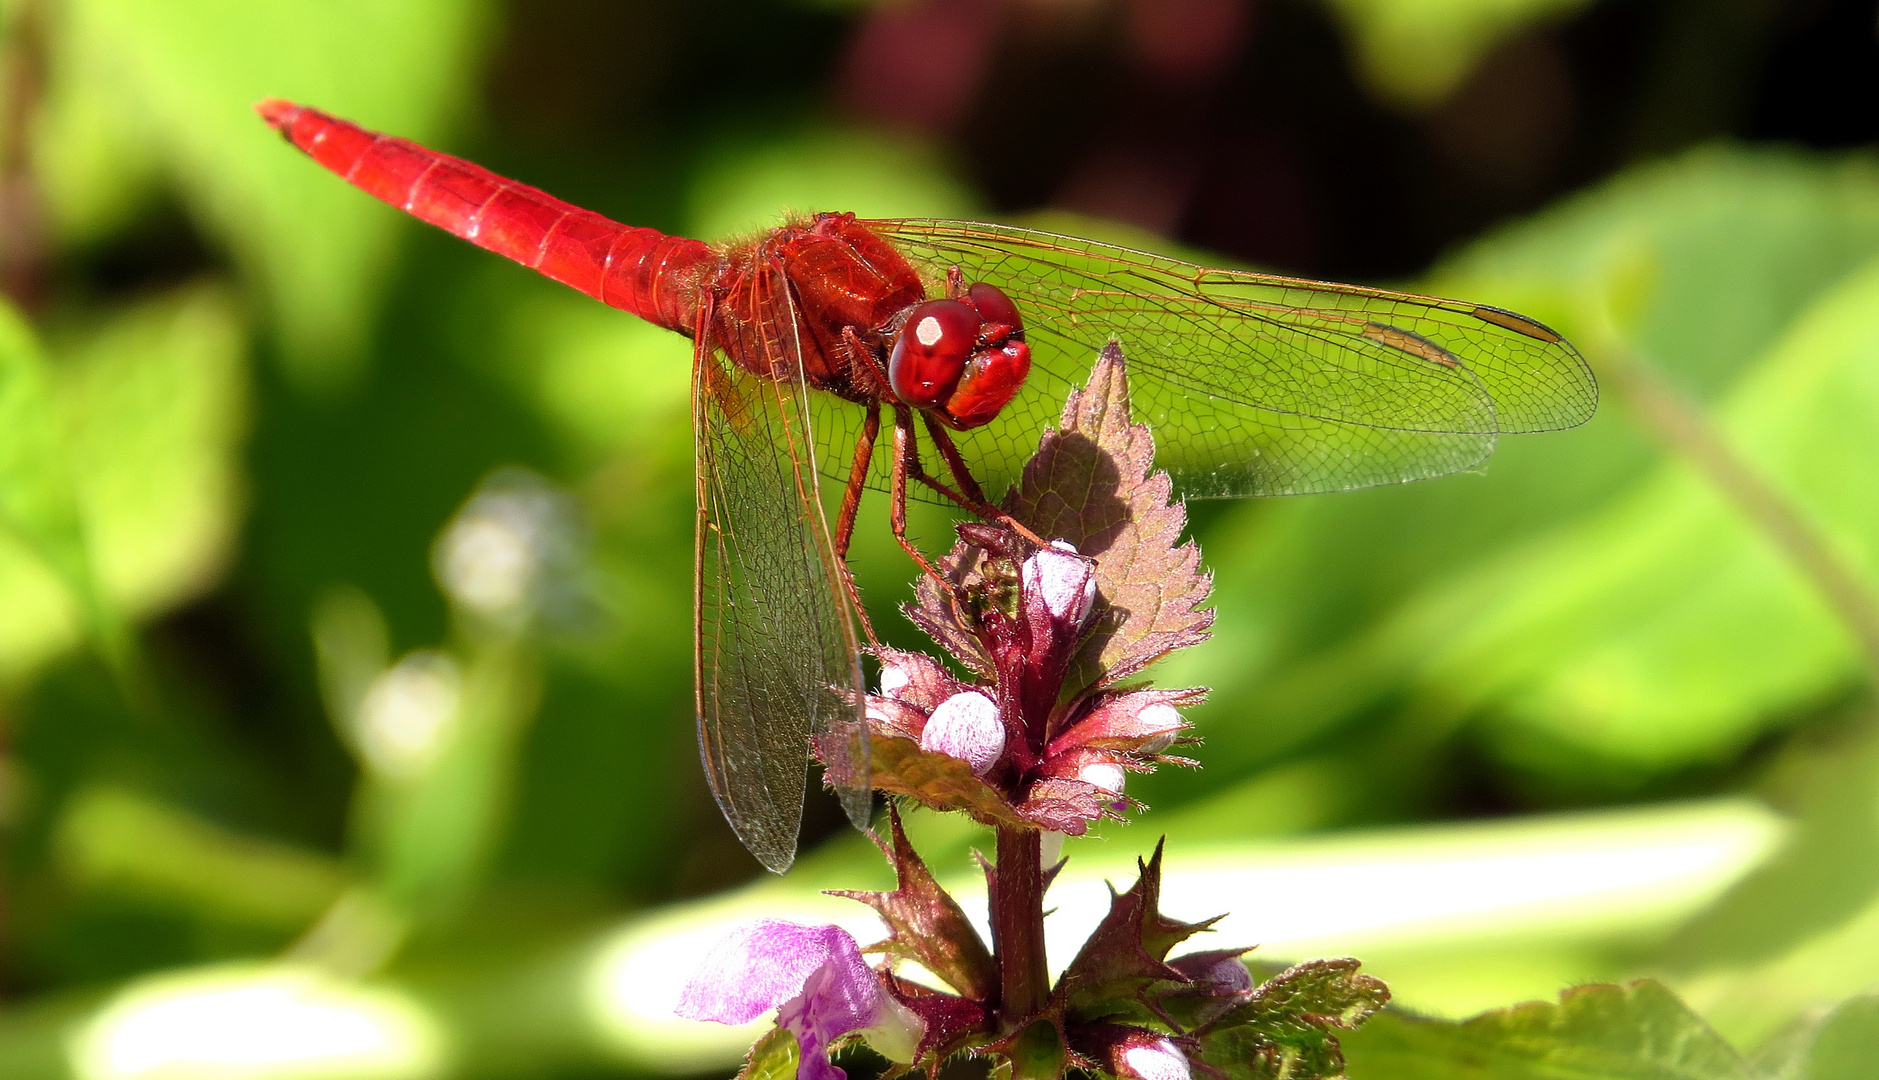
1254,384
777,657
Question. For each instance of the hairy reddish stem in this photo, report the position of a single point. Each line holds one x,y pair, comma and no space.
1018,925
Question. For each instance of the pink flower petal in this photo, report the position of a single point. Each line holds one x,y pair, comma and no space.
762,964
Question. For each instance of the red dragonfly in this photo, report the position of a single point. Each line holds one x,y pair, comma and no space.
971,334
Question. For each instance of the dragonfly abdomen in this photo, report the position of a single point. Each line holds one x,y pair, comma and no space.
644,271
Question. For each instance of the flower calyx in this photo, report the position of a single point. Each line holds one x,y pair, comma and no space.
926,925
955,745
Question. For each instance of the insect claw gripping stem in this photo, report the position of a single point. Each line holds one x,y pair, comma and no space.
962,475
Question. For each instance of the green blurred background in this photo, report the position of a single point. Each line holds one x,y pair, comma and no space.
345,569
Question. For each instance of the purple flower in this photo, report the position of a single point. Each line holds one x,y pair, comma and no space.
815,978
966,726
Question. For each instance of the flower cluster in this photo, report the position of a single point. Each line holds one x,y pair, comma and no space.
1035,753
1040,736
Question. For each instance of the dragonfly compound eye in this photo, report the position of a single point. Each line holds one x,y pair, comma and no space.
991,379
994,306
931,353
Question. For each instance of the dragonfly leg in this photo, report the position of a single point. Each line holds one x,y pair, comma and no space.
857,480
865,367
851,505
907,462
969,485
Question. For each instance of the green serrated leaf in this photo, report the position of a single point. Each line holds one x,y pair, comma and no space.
1128,950
774,1057
187,73
938,781
1636,1032
1285,1029
942,782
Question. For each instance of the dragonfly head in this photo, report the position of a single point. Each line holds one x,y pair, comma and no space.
964,359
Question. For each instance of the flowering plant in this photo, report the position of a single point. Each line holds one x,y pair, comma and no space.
1039,737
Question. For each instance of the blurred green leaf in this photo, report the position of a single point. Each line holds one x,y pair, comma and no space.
188,72
156,401
151,410
1738,242
38,506
432,812
744,186
114,839
1667,628
1752,1003
258,1021
1826,872
1802,932
1636,1032
1415,52
614,387
1843,1045
96,165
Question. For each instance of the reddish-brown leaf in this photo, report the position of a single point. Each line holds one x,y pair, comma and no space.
925,924
1129,949
951,1023
1092,482
940,782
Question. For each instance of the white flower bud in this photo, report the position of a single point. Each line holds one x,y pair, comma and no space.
1162,724
1159,1060
894,679
966,726
1103,775
1064,580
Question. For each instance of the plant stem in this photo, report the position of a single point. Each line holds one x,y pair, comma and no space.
1683,429
1018,926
